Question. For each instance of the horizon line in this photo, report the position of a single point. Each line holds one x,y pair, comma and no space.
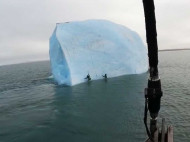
161,50
177,49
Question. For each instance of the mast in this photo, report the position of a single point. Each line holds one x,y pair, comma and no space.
153,92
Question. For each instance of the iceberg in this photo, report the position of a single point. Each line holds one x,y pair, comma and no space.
95,47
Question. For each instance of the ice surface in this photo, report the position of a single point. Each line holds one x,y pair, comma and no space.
96,47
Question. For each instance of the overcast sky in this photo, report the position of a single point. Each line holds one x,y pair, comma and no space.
26,25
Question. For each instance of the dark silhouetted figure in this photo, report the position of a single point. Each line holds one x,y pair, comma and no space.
88,77
105,76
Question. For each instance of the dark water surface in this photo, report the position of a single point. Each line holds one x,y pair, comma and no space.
34,109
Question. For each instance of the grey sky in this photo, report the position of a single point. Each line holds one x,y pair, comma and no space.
26,25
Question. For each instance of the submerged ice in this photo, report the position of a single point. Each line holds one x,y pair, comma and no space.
95,47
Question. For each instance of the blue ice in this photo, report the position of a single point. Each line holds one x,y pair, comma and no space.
95,47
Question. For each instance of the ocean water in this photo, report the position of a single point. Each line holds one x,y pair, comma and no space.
34,109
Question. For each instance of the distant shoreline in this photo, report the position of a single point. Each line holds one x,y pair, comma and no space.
18,63
162,50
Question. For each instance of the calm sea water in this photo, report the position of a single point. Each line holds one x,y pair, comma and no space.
34,109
